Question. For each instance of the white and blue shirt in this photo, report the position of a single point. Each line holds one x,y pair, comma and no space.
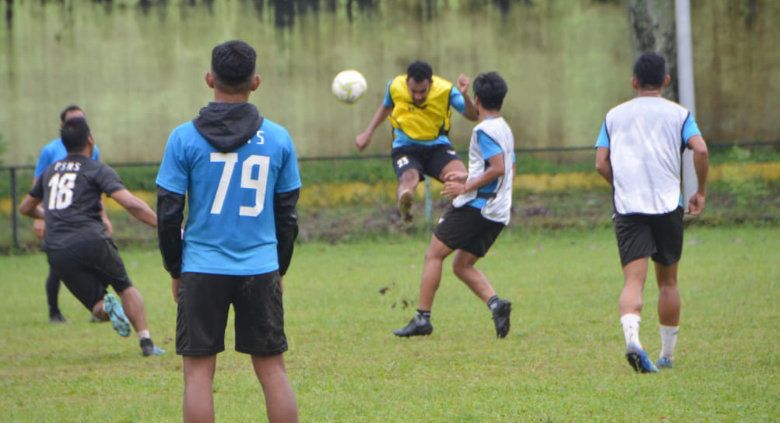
402,140
490,138
55,151
645,137
230,228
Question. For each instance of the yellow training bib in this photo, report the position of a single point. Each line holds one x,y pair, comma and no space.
426,122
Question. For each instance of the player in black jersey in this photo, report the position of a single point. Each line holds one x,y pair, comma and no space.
80,252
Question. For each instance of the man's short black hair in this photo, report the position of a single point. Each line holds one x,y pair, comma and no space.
233,66
650,70
67,110
490,88
419,71
74,134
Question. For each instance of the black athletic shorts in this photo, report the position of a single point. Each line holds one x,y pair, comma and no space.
204,301
464,228
426,160
658,236
88,267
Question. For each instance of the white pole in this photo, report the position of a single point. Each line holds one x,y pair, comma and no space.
682,10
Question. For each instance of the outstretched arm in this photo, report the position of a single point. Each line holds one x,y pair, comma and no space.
603,165
463,86
135,206
364,138
701,163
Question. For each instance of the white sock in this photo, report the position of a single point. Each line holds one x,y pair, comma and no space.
144,334
630,324
668,340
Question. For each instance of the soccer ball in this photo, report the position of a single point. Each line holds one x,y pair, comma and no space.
348,86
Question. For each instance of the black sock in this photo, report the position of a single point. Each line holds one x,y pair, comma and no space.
425,314
492,302
52,292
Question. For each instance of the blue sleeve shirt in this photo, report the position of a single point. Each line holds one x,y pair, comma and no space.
690,129
230,228
603,139
55,151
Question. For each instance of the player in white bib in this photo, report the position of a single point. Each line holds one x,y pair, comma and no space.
480,211
639,152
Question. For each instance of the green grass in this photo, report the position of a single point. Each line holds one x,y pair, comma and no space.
563,360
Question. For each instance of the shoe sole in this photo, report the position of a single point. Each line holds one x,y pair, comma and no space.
405,206
635,360
117,316
504,311
411,334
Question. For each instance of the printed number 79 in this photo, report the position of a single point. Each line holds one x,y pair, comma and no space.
259,184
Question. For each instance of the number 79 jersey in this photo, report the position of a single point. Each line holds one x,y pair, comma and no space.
230,228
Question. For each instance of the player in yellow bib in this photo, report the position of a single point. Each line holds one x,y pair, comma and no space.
417,104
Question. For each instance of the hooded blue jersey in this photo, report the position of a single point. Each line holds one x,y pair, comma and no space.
230,228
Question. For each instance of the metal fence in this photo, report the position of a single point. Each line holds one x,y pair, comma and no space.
20,177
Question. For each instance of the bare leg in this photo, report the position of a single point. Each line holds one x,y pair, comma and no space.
452,166
634,275
408,182
463,265
668,295
431,275
133,304
198,383
280,401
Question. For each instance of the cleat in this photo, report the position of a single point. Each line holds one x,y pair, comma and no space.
501,317
664,363
149,349
405,205
57,317
116,314
638,359
416,327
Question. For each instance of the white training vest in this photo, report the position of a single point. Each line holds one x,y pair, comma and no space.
645,150
498,207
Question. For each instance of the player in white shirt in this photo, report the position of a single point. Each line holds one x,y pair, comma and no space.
639,152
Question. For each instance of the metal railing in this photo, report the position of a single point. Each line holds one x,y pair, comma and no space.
14,172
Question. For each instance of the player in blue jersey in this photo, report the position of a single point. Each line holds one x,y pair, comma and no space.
239,174
639,152
417,104
50,153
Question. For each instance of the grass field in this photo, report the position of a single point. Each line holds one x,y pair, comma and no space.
563,360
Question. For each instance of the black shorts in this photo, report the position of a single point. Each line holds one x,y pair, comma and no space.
87,268
204,301
658,236
464,228
426,160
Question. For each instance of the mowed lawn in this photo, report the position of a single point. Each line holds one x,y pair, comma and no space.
562,361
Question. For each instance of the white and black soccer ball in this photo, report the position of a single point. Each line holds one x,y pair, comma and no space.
349,85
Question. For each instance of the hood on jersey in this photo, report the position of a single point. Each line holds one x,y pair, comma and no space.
228,126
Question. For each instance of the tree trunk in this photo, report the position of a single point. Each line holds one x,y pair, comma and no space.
652,29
